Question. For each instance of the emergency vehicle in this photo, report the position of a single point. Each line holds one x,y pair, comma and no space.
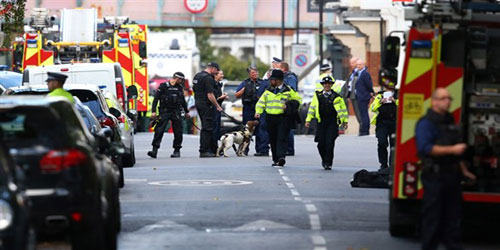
81,37
453,45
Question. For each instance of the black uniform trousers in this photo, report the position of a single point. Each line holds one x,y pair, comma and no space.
278,128
165,117
441,210
383,132
206,111
326,134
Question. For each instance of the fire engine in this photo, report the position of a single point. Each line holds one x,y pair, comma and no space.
454,45
81,37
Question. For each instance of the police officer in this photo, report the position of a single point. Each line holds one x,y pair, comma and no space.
329,108
440,150
206,105
172,103
55,82
220,98
325,70
249,91
278,101
275,64
385,107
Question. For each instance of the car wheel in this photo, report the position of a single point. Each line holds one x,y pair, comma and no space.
90,235
129,159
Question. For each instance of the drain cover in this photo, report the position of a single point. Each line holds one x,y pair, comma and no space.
201,183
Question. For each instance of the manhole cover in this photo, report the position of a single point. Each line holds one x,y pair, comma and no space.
201,183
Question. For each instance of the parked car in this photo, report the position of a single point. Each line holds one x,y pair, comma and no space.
92,97
126,126
232,106
72,185
15,228
103,75
9,79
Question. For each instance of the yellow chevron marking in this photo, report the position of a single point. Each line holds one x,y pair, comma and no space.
127,76
49,61
417,67
106,59
409,123
30,52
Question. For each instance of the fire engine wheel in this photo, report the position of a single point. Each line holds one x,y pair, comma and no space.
399,221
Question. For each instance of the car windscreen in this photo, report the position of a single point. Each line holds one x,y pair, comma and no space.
85,117
90,100
11,81
230,90
30,127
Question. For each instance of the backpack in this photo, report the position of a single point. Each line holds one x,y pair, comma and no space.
375,179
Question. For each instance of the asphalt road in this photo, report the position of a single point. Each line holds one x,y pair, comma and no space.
244,203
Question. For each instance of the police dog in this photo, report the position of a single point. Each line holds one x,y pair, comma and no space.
240,137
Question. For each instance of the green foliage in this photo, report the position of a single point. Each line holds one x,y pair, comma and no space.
12,19
234,69
206,49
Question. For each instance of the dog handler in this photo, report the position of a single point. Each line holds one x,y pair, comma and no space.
275,101
171,97
328,107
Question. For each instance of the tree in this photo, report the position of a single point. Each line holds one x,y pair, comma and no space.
12,12
206,49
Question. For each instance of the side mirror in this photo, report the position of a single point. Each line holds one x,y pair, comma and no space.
133,114
132,92
390,56
102,142
115,112
143,53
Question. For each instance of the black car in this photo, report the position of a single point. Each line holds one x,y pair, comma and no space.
96,102
71,183
15,229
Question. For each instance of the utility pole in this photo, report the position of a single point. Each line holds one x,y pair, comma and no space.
320,32
298,20
282,29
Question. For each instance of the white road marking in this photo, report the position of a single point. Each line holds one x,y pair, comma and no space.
289,185
285,178
315,223
135,180
297,198
281,171
318,240
295,192
311,208
319,248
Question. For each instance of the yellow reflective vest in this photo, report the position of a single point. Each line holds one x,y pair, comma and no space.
338,105
62,93
272,103
376,105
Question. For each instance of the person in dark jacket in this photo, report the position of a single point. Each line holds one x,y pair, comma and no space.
361,93
207,106
171,97
440,150
250,91
220,98
290,79
385,108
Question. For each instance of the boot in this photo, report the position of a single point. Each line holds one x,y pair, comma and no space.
176,154
153,152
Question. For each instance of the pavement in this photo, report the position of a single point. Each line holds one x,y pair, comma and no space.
244,203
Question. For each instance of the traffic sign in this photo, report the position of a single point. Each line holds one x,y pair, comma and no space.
196,6
301,60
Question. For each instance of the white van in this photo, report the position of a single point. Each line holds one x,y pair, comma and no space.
104,75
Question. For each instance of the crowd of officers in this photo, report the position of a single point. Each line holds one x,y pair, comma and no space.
273,103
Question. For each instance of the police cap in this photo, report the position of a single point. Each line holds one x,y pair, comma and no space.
179,75
327,79
214,65
56,76
276,74
276,60
324,67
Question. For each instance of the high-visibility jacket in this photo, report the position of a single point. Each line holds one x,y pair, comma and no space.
62,93
376,104
273,103
338,105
